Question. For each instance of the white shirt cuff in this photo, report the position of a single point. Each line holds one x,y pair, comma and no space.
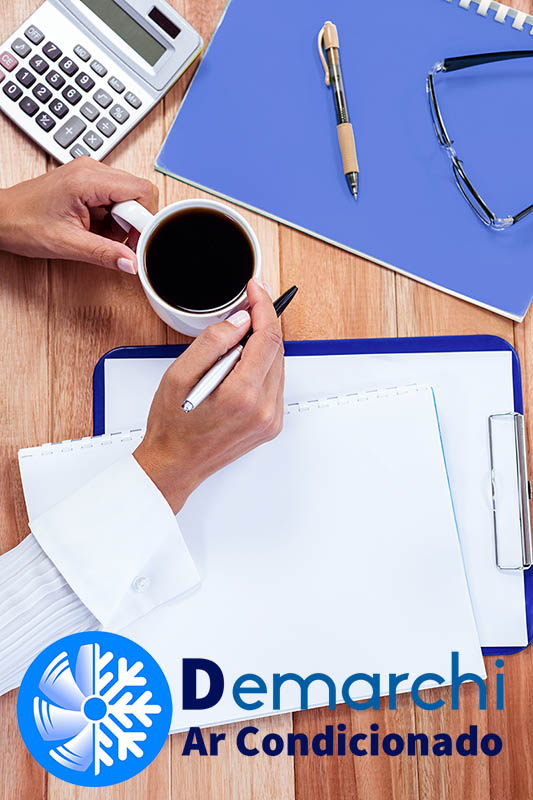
118,544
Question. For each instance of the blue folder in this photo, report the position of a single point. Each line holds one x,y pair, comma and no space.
435,344
258,127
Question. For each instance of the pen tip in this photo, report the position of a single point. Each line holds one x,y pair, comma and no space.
187,406
353,183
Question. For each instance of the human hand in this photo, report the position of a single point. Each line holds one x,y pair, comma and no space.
180,450
65,214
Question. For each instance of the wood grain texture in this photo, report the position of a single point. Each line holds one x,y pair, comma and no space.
58,319
340,295
232,775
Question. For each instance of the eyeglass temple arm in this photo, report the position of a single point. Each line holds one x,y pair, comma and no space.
460,62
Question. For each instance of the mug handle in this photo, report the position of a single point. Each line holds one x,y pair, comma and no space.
131,214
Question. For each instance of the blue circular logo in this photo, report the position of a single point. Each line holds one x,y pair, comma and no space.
94,709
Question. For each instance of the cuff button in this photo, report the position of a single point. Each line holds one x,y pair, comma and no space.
141,584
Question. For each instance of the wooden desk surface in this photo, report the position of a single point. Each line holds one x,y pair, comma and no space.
56,321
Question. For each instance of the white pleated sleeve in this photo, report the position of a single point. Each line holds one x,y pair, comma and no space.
103,557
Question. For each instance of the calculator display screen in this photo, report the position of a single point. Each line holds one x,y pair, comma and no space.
127,28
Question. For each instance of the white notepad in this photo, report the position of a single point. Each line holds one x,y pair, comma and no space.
469,386
332,549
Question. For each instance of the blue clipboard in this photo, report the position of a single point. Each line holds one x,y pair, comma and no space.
421,344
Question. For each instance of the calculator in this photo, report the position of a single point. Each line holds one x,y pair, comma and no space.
78,75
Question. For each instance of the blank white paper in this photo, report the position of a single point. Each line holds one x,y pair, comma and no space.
468,386
332,549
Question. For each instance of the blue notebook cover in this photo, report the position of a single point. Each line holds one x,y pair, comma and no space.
258,127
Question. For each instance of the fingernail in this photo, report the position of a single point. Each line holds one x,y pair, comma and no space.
127,265
239,319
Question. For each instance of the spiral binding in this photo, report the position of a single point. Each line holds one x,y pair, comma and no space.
137,434
502,12
353,398
69,445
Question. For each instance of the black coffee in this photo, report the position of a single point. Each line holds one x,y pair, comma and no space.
199,259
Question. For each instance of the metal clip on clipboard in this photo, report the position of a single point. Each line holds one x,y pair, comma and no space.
511,492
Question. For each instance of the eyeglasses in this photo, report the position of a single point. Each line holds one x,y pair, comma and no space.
472,197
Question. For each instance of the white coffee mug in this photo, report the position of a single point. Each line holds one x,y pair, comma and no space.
132,214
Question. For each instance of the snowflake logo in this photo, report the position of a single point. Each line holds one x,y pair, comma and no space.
94,709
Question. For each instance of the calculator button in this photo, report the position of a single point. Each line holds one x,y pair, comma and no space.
103,98
42,93
25,78
12,90
52,51
45,121
119,113
115,84
89,111
8,61
72,95
34,34
29,106
39,64
69,131
132,99
68,66
20,47
106,127
84,54
85,81
93,140
99,68
58,108
55,79
78,151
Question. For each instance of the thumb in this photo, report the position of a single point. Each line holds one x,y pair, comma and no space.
94,249
210,345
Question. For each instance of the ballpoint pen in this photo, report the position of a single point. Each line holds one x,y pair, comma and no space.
328,40
224,365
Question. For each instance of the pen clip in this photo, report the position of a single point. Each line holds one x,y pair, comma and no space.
321,54
327,38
